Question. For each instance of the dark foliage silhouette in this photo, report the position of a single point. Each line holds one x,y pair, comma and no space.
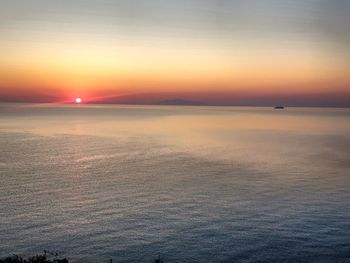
46,257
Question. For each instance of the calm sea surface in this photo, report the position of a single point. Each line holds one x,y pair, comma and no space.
195,184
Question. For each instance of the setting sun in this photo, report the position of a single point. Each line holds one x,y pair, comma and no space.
78,100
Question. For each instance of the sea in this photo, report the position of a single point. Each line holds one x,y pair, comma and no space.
126,183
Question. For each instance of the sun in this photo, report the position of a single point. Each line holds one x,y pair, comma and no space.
78,100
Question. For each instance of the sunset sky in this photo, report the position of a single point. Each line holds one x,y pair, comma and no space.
221,52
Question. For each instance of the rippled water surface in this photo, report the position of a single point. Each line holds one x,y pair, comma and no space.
196,184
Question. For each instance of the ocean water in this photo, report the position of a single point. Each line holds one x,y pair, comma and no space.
195,184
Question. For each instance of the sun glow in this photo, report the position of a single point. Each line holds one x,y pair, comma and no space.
78,100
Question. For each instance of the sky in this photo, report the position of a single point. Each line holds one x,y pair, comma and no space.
220,52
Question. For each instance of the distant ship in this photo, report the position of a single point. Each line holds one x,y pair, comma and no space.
279,108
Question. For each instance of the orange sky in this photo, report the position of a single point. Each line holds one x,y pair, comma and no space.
63,55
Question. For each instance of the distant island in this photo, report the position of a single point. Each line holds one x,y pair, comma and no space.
181,102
